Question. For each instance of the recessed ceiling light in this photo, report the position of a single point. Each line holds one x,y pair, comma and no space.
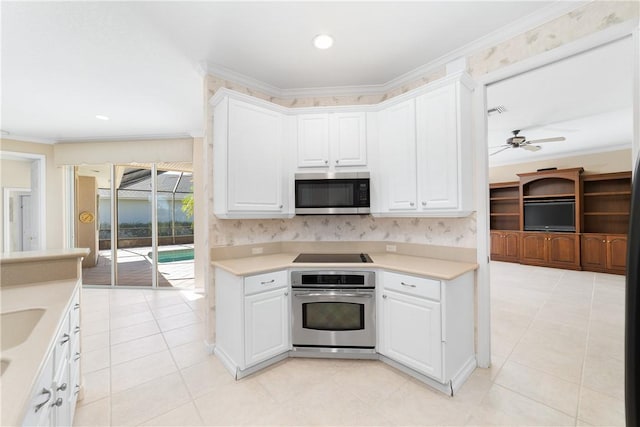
101,117
323,41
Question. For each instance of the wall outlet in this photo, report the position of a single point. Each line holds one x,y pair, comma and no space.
257,251
391,248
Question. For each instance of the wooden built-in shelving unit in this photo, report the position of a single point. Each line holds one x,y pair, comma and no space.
602,208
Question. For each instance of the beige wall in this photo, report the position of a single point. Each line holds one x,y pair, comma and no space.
611,161
56,228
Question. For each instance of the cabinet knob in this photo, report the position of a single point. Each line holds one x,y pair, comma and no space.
63,387
424,203
326,161
411,204
58,402
603,241
76,306
77,357
286,294
65,339
384,296
337,161
281,206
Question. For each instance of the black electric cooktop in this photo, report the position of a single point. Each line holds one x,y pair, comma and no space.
333,258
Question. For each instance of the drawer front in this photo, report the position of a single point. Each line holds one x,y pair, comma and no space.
265,282
63,344
412,285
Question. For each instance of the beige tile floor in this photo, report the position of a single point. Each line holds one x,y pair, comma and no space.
557,360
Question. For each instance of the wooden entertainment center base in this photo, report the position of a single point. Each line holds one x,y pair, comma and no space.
601,219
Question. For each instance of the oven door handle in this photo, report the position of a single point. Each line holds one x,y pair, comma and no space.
335,294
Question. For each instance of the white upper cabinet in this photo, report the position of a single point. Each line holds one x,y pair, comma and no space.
332,139
313,140
426,153
250,173
397,145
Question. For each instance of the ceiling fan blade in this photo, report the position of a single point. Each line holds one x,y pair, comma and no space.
530,147
539,141
500,151
502,145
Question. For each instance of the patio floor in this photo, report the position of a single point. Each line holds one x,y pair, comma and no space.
135,269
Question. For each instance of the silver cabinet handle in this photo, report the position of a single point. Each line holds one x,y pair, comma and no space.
266,283
76,329
411,204
281,206
77,357
337,161
384,296
65,339
63,387
58,402
424,203
407,284
77,389
76,306
335,294
326,161
286,294
41,405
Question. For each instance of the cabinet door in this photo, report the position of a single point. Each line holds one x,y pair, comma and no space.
348,139
313,140
437,139
617,253
593,251
398,156
533,248
411,332
511,246
564,249
497,245
255,137
266,325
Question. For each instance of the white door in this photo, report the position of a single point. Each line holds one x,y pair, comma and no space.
255,138
398,156
437,138
313,140
411,332
349,139
26,214
266,325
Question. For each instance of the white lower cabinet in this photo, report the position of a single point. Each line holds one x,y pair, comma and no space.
253,317
405,315
266,325
54,397
426,326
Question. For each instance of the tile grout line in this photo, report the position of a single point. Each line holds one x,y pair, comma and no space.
586,347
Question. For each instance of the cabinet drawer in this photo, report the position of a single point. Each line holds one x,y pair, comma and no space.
412,285
265,282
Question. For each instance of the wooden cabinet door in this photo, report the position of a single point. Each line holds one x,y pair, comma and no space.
255,174
313,140
266,325
497,245
533,250
511,246
617,253
593,253
348,134
398,156
412,332
563,249
438,148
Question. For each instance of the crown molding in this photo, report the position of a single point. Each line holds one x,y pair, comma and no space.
124,138
24,138
524,24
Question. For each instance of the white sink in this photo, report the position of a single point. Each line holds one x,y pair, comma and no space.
17,326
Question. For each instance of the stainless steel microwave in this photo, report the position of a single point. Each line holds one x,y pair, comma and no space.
332,193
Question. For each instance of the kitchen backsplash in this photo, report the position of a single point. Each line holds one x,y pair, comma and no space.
456,232
459,232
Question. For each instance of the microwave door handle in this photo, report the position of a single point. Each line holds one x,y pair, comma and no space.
334,294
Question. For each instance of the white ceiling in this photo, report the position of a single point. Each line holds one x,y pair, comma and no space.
140,63
586,98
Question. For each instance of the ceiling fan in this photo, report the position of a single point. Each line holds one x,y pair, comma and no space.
520,141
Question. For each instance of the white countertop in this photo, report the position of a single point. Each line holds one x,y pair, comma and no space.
431,267
43,255
26,359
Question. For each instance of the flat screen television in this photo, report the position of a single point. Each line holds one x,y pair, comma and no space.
550,215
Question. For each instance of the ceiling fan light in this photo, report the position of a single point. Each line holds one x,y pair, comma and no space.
323,41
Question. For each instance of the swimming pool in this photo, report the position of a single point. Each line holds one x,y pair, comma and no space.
173,255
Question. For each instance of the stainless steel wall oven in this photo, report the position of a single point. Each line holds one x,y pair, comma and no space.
333,311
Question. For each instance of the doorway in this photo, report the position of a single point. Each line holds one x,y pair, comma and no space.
139,227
